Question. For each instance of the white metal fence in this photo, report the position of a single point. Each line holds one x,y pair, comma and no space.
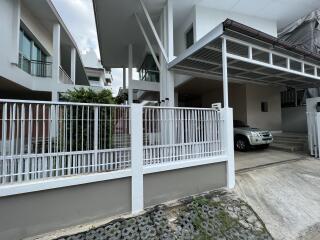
313,119
177,134
94,142
42,140
49,141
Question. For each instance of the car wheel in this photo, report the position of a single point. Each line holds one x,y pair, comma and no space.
241,144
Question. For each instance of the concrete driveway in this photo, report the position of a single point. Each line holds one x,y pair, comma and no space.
286,197
261,157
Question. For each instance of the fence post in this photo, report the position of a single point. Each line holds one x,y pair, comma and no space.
136,158
229,146
95,140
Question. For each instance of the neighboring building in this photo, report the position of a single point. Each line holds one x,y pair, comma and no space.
39,57
181,41
304,33
97,75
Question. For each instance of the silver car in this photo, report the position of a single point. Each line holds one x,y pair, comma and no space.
246,137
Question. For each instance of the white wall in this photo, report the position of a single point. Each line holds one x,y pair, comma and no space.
256,94
205,19
208,18
180,31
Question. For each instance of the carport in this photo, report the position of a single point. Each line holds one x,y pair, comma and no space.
238,53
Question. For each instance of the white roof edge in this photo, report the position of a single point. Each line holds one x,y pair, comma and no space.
209,37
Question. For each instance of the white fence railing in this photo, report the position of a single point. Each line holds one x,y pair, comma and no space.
176,134
42,140
313,120
94,142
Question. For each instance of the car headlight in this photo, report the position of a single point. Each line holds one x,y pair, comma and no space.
255,134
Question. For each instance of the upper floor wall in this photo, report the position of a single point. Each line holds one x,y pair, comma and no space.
40,32
203,20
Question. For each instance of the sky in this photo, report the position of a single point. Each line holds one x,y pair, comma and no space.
79,18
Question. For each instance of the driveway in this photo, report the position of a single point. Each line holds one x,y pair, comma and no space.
286,197
262,157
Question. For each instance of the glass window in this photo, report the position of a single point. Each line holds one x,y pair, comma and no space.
32,58
26,47
189,37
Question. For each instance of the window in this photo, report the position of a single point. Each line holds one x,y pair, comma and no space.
189,37
32,58
264,107
96,79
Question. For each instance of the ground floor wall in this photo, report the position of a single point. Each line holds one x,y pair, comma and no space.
175,184
246,100
256,95
237,99
34,213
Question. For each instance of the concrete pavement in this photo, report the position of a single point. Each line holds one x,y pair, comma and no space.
286,197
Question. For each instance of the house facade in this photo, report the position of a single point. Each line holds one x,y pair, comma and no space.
97,75
39,57
167,30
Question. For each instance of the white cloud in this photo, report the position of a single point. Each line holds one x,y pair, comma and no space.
78,16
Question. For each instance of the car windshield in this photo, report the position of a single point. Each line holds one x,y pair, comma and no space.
239,124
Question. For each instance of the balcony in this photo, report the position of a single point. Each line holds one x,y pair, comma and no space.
34,67
149,75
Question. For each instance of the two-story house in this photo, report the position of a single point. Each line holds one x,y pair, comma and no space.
191,46
39,57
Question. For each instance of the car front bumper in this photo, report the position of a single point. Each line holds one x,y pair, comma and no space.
254,141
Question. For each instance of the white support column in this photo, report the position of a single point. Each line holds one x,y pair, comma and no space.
73,65
124,78
229,146
54,96
16,31
228,120
137,158
130,66
225,73
56,52
168,37
170,30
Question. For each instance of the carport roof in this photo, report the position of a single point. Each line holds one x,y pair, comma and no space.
253,56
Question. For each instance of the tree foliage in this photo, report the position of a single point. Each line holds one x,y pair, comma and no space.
89,96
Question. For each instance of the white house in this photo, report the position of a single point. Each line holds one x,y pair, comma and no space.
97,75
39,57
183,44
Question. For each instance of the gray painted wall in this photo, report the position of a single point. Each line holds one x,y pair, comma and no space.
175,184
35,213
294,119
39,212
256,94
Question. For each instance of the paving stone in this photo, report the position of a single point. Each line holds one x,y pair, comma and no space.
217,215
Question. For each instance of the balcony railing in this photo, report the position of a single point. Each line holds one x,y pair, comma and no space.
34,67
64,77
149,75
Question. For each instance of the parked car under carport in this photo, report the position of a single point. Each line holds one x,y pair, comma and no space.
246,137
